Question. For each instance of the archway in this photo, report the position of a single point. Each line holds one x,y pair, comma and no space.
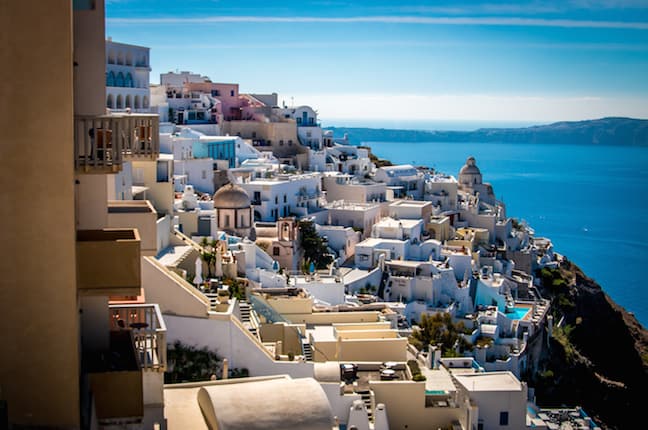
138,103
110,101
120,102
128,101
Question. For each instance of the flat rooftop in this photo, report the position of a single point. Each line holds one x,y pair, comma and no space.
350,206
406,223
490,381
374,241
411,203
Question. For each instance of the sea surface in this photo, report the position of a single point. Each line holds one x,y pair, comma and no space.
591,201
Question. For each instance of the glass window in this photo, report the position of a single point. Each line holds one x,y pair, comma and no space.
504,418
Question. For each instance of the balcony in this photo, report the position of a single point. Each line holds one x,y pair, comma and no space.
148,329
115,380
108,262
103,143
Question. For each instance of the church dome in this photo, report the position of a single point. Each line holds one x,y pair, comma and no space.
231,196
470,168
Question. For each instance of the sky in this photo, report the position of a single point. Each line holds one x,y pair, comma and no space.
407,60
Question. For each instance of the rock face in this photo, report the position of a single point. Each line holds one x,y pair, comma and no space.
598,358
604,131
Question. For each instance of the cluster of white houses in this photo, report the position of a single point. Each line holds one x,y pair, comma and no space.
188,198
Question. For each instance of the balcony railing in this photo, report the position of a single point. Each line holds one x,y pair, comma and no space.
115,379
103,142
108,262
148,330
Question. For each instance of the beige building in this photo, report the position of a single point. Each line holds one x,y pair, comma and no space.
60,335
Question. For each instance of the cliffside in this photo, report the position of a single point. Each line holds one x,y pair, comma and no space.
604,131
598,358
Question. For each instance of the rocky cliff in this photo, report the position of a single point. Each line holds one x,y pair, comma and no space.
597,358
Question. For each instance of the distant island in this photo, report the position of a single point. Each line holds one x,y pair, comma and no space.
604,131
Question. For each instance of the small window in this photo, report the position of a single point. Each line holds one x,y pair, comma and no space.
232,93
504,418
276,200
227,220
275,250
281,143
204,174
285,200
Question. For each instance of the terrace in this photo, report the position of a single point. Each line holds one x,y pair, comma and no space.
104,142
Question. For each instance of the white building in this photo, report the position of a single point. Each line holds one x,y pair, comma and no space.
499,397
127,77
309,131
441,190
283,195
359,216
403,181
349,159
340,186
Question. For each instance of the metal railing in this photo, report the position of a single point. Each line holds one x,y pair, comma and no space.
148,329
104,141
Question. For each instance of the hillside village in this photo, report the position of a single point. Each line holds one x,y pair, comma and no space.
308,284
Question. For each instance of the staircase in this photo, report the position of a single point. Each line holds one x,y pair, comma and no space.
246,318
366,398
213,300
307,350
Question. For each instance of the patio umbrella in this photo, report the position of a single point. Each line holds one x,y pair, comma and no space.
198,280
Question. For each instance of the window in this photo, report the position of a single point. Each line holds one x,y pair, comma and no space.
503,418
281,143
285,198
232,93
215,93
276,200
163,173
204,174
275,251
227,220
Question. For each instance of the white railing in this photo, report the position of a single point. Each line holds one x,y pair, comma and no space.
105,140
148,329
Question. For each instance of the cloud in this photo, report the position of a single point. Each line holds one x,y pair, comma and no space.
418,20
408,44
486,107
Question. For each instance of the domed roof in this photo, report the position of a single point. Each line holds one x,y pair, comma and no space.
231,196
470,168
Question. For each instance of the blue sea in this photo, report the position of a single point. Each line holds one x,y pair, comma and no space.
591,201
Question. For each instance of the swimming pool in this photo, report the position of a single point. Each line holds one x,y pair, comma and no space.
517,313
435,392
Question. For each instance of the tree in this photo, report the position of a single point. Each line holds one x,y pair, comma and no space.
313,245
439,329
208,254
